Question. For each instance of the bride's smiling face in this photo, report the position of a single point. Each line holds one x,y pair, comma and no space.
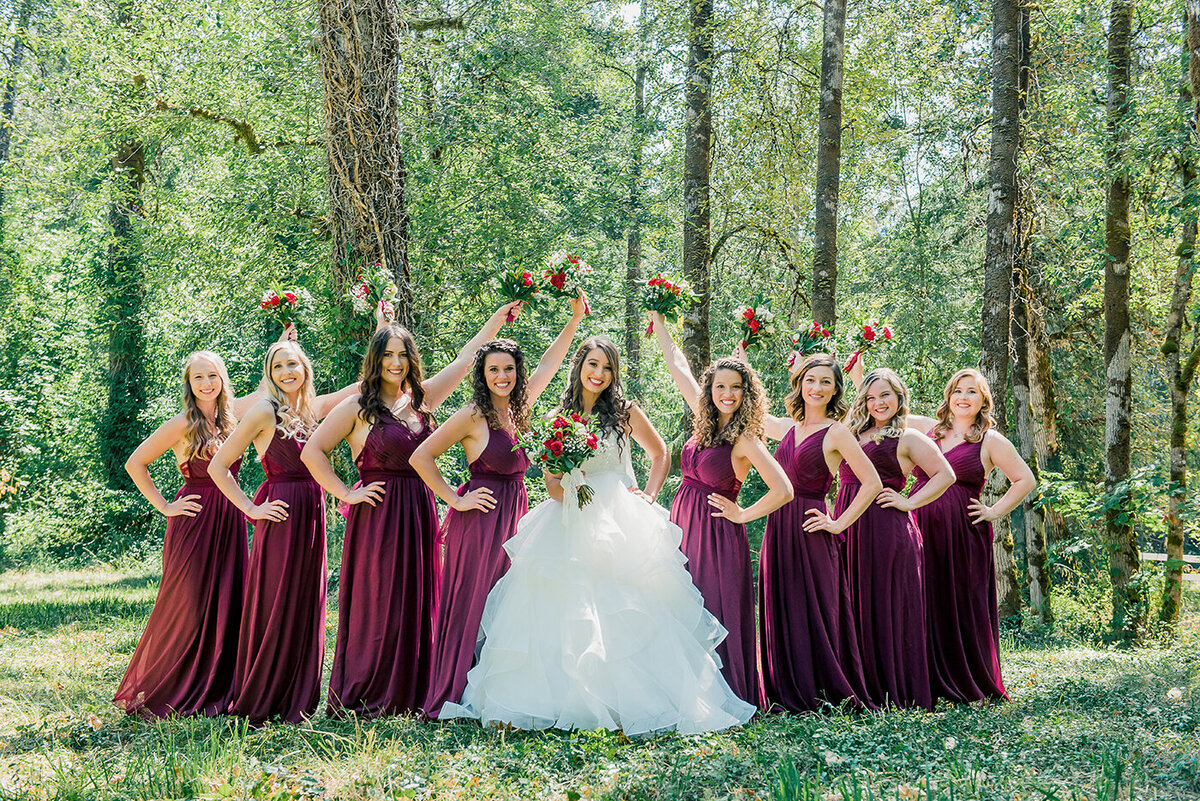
595,374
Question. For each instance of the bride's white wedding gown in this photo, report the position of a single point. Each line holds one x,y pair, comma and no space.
597,624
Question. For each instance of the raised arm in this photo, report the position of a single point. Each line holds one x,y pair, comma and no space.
335,428
644,434
1003,455
439,387
138,467
842,442
779,488
923,452
461,425
552,359
256,421
677,363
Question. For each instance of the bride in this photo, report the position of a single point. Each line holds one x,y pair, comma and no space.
597,623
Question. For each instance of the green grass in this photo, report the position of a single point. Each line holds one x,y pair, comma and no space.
1083,724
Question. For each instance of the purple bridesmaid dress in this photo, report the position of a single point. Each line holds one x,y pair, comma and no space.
282,639
475,560
718,558
387,592
184,661
960,586
887,590
808,644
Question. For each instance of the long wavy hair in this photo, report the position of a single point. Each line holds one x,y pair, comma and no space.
746,419
518,410
983,420
294,423
198,436
836,408
611,410
860,420
370,400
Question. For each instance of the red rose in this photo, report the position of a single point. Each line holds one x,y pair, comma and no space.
560,422
526,278
748,314
545,457
754,326
816,327
868,333
555,447
592,441
557,280
887,332
264,305
275,300
576,417
825,333
654,281
291,296
560,434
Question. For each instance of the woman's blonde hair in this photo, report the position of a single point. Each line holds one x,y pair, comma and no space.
294,423
983,420
861,421
198,437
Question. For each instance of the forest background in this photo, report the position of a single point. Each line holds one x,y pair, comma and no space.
165,161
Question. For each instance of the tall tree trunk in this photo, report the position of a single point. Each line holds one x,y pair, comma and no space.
359,48
633,248
1181,364
697,159
1041,391
1128,604
8,103
829,164
998,264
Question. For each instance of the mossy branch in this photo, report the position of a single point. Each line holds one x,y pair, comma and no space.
244,130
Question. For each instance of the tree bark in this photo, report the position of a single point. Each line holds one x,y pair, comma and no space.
998,264
697,159
829,162
1128,604
359,49
633,243
1181,363
8,103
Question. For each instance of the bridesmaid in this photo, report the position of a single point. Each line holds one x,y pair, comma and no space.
387,593
808,644
183,663
727,406
960,570
484,511
883,547
282,636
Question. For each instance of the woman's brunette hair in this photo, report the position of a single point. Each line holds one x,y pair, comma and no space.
482,396
746,419
198,436
298,422
983,420
370,400
860,419
794,403
611,410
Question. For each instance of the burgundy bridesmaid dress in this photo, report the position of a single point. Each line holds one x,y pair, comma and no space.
887,590
475,560
282,639
808,644
718,558
960,586
184,661
387,592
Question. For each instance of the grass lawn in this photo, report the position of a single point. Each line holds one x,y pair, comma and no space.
1082,724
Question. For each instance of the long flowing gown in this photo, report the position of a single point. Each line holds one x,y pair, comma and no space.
960,586
184,661
597,624
808,642
282,640
474,561
718,559
388,588
887,588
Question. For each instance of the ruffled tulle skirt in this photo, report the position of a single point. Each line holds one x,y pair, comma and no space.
597,625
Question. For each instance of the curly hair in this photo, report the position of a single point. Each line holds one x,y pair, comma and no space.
198,436
294,423
746,419
836,408
983,420
518,405
370,400
860,420
610,411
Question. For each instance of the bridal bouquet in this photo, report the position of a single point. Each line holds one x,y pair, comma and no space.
867,336
371,288
668,298
518,284
756,324
284,305
562,445
814,339
564,275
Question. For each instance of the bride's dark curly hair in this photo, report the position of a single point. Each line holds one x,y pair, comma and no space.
518,408
748,419
611,410
370,400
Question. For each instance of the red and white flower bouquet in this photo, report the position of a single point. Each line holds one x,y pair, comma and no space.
518,284
564,275
756,324
667,297
372,287
284,305
867,336
561,445
814,339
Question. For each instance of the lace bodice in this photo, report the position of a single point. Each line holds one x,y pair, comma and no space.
613,456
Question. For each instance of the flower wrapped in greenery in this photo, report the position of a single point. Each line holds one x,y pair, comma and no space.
814,339
756,323
371,288
667,297
284,305
564,275
867,336
561,446
518,284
